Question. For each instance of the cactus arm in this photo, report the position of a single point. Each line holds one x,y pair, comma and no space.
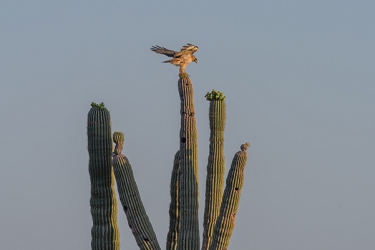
130,199
231,198
215,170
174,212
188,236
104,232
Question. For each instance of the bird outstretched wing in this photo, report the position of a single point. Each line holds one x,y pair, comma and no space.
164,51
187,49
181,58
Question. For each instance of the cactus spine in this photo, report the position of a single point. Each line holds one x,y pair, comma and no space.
215,167
231,198
130,198
104,232
188,236
174,212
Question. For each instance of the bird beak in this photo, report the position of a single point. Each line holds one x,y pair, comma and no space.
196,60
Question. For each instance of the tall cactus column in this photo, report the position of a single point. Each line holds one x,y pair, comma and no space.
231,199
104,232
188,236
130,198
215,166
174,206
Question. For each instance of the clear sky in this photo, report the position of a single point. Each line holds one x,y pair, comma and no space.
299,79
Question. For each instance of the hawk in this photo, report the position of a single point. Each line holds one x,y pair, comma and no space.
181,58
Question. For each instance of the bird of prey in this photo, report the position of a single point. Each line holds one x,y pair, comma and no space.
181,58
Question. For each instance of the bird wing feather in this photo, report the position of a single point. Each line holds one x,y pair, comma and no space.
164,51
187,49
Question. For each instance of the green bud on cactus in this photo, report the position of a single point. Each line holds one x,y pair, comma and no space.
95,105
214,95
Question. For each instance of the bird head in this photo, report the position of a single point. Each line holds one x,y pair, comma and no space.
195,59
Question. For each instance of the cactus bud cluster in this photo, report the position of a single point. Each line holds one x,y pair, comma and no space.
215,95
95,105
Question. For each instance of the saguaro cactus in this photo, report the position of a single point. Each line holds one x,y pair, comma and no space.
104,232
220,205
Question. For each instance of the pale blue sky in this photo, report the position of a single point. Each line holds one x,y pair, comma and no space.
299,79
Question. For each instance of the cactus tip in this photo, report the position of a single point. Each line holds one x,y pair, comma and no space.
215,95
183,75
95,105
245,146
118,137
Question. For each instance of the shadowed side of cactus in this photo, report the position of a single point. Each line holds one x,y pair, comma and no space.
231,198
215,166
188,236
130,198
174,211
104,232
